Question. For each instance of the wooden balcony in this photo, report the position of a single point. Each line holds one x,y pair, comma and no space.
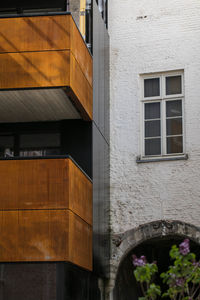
46,52
45,212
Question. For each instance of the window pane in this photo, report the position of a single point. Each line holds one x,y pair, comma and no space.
40,140
6,145
174,108
152,87
6,141
174,126
175,144
153,146
44,152
152,128
173,85
152,110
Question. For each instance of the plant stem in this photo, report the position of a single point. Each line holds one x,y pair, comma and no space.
142,288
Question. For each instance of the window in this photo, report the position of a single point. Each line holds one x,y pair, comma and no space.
162,106
31,6
6,145
30,144
39,144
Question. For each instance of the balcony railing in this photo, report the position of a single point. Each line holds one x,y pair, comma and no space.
45,211
45,52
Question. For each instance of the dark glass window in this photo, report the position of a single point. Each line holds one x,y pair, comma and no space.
6,145
33,144
152,110
152,129
174,126
175,144
40,144
163,117
153,147
173,85
174,108
22,6
152,87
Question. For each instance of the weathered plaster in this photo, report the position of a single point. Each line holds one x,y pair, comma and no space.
152,36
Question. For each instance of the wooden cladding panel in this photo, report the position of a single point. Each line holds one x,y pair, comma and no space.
45,184
80,242
82,91
47,235
34,184
80,193
80,52
34,235
35,33
34,69
46,51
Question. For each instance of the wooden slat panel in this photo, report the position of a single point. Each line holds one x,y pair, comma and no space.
34,33
34,184
56,235
80,193
34,235
81,89
45,184
80,242
34,69
81,52
70,68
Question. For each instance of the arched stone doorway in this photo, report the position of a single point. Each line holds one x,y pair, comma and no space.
153,240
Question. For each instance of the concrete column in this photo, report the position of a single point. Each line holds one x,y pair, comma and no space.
106,288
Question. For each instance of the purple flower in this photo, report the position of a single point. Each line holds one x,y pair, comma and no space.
139,262
180,282
196,263
184,247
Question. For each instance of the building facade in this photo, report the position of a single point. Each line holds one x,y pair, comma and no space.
154,128
54,156
64,145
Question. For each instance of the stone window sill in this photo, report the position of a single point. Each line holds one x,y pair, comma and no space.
140,159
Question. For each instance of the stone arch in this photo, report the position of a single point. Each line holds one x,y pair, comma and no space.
124,243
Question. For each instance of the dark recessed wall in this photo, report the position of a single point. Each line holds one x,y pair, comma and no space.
45,281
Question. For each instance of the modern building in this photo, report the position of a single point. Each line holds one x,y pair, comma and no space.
54,141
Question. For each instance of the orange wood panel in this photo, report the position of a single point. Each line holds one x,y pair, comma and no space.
35,33
45,184
32,56
80,52
34,184
82,91
34,235
80,193
80,242
55,235
34,69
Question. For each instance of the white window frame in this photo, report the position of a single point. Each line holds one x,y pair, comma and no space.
162,99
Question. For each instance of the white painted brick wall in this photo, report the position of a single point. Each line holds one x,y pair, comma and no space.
152,36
